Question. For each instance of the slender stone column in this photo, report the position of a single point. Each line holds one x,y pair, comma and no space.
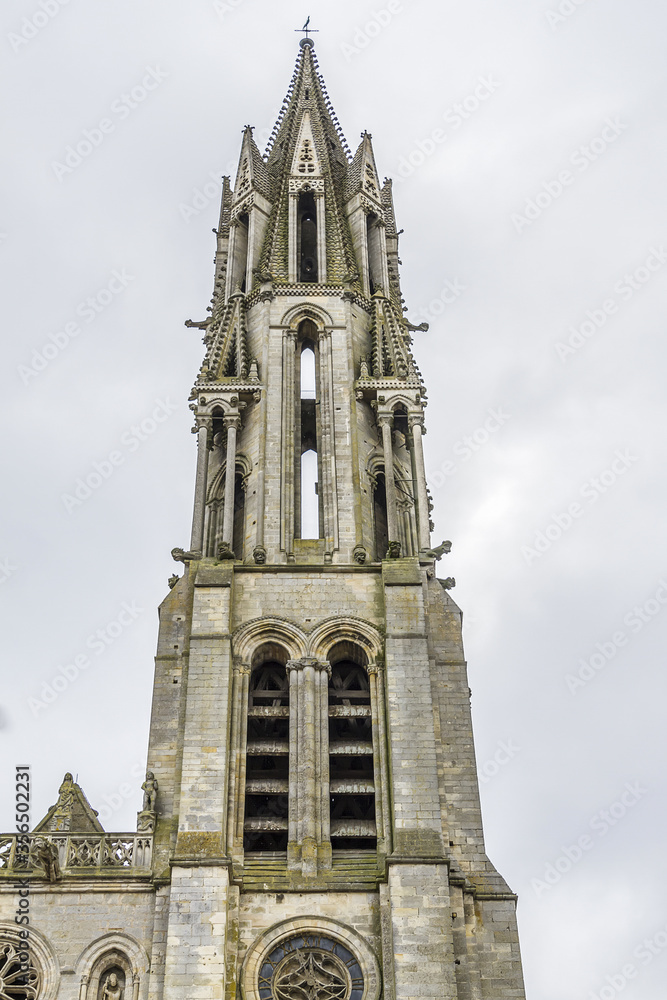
321,238
326,442
199,512
322,790
471,945
376,674
386,420
416,422
232,425
307,765
308,710
235,815
293,848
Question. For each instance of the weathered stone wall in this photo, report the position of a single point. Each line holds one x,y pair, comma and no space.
73,918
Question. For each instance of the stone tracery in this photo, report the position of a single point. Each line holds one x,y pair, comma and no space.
19,979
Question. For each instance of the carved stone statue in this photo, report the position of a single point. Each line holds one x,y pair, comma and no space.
62,817
394,551
448,583
180,555
173,580
225,551
46,854
112,988
439,551
360,554
150,792
259,555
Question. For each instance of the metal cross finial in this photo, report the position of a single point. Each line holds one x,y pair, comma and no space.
306,29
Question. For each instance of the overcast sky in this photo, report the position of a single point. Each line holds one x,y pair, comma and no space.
527,145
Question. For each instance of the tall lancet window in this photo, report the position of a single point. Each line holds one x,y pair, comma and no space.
307,237
351,766
309,506
267,760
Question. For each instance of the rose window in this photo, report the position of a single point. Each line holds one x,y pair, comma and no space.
19,980
311,967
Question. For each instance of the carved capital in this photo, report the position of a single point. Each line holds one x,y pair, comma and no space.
416,420
309,661
385,419
232,420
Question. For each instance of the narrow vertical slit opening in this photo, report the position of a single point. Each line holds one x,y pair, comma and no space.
380,517
240,261
238,534
374,252
307,234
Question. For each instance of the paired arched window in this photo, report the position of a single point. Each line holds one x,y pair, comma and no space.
335,728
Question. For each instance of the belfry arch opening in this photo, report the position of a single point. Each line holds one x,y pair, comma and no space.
307,237
265,822
351,763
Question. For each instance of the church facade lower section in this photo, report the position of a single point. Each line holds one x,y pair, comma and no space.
311,826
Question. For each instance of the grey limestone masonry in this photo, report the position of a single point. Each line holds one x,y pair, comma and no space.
311,823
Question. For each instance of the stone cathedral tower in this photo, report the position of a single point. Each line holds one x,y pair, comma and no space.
311,826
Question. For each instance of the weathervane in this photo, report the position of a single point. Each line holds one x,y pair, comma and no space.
308,31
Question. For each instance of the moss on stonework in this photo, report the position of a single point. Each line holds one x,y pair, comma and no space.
199,845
